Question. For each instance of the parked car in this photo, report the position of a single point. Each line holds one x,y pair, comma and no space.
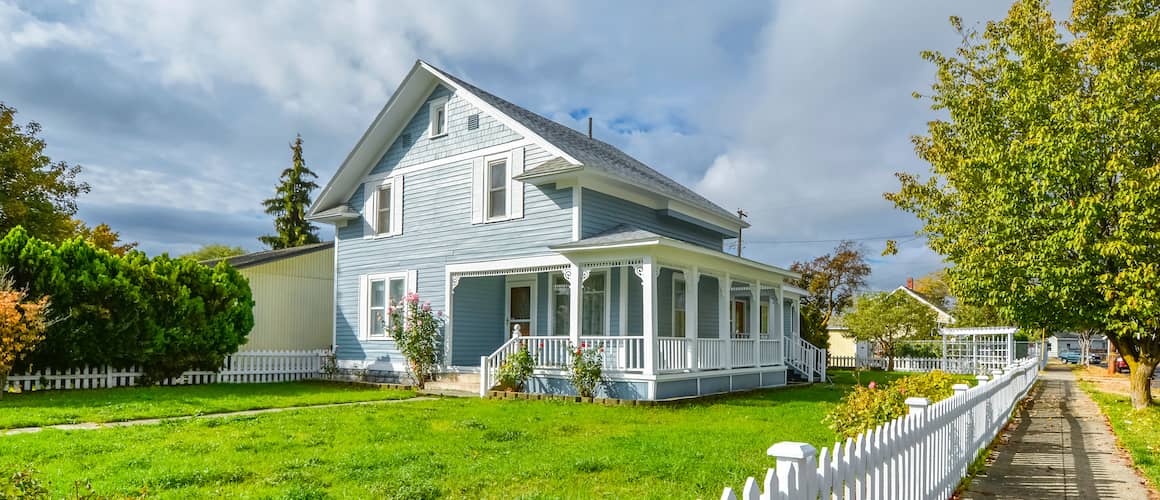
1069,357
1121,365
1094,359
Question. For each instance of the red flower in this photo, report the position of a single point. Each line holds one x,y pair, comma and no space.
582,345
541,345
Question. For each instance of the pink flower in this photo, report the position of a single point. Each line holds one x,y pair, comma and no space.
872,385
426,307
412,298
439,314
541,345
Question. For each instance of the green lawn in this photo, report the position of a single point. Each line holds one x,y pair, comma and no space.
129,403
1138,431
442,448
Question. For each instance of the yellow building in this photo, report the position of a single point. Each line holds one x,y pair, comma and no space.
843,345
293,297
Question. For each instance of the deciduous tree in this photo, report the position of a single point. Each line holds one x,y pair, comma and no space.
214,251
22,325
885,318
1045,172
290,202
832,280
102,236
35,192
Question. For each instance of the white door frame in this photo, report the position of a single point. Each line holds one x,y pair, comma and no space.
517,281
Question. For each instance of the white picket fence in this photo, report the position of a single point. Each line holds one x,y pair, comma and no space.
918,365
921,455
240,368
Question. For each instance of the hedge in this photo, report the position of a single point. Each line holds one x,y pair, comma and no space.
162,315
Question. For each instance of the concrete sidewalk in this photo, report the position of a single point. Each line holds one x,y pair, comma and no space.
1060,448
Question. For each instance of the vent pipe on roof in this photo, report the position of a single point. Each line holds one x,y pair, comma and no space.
589,127
910,283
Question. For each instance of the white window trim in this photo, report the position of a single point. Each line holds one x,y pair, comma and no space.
607,302
364,328
371,210
516,282
431,108
487,189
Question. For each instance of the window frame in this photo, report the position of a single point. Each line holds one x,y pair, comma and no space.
488,189
389,188
366,330
372,212
432,108
606,320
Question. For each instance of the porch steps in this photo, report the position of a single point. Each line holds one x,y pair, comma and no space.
454,384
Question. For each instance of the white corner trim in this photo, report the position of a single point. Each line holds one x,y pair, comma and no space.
577,211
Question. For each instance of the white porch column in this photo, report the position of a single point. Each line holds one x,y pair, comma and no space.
649,313
575,289
755,310
724,286
692,293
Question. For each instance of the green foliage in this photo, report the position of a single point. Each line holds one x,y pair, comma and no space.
911,350
23,484
867,407
585,371
214,251
832,281
35,192
888,317
164,316
102,236
290,202
415,329
1043,190
516,369
812,328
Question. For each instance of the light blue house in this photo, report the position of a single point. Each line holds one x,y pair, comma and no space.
514,224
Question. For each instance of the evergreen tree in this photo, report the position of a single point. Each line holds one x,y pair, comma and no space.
289,204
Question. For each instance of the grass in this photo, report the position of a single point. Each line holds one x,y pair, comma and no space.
111,405
1137,431
442,448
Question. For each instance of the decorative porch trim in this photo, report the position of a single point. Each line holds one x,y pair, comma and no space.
455,276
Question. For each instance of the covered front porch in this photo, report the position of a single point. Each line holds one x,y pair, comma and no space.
673,319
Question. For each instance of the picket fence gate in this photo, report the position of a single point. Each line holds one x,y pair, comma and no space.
922,455
240,368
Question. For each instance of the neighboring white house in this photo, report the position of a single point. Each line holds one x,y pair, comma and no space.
293,292
1068,341
841,344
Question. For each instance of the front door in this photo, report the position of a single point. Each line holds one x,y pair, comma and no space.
519,311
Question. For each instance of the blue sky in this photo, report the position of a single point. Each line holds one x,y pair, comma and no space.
181,112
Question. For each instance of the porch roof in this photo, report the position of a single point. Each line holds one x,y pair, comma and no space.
626,237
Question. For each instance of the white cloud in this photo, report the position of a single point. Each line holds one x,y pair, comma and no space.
21,31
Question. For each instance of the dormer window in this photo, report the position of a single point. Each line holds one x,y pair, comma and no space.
438,113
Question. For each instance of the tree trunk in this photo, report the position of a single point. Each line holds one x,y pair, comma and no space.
1141,386
3,383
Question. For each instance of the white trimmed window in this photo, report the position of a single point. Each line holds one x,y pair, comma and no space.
437,110
496,196
594,316
383,207
678,305
378,294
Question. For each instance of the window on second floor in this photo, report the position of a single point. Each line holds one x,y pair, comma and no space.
496,196
383,207
438,115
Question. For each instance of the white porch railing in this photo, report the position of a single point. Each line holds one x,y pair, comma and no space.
673,353
621,354
806,358
712,354
238,368
920,455
489,365
769,352
744,352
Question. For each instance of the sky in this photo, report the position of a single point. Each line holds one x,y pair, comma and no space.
181,112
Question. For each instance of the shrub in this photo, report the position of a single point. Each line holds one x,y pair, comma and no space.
164,316
22,325
585,370
867,407
415,329
516,369
909,350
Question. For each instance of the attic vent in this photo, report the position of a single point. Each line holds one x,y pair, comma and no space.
406,139
473,121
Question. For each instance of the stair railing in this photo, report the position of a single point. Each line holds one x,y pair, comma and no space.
489,365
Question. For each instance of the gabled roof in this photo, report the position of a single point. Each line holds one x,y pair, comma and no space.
925,300
266,256
573,151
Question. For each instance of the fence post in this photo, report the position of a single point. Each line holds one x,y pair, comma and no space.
793,474
919,459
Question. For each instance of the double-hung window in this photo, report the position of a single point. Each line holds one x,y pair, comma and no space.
594,306
497,188
382,293
383,207
438,114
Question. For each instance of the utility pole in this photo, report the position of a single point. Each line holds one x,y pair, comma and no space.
741,214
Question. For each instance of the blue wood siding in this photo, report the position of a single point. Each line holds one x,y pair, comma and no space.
458,139
635,319
478,317
437,228
601,212
707,326
614,319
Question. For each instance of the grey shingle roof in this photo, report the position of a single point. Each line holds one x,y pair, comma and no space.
622,233
253,259
594,153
